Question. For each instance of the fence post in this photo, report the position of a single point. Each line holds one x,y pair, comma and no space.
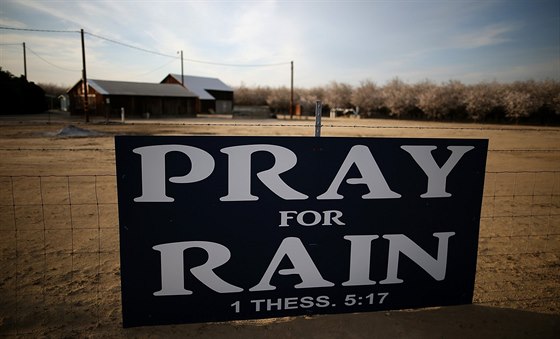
318,111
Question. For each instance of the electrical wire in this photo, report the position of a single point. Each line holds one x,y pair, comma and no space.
50,63
38,30
157,68
185,59
145,50
238,65
131,46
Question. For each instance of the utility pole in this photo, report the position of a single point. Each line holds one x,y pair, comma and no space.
24,63
84,78
182,75
292,92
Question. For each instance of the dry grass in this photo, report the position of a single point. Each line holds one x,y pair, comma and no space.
59,233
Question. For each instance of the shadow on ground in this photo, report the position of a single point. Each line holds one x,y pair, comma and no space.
470,321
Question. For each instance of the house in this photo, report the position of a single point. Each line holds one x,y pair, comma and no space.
214,95
108,98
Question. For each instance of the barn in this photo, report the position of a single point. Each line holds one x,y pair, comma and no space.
108,98
215,96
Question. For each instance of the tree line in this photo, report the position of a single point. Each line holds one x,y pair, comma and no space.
522,101
19,96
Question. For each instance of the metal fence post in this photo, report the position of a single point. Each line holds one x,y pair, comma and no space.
318,111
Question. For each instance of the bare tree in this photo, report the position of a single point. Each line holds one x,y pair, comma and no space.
399,97
546,93
245,96
338,95
53,89
519,104
260,95
521,99
368,97
447,100
481,99
427,98
279,99
309,97
442,101
556,103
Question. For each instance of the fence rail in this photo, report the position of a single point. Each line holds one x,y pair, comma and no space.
59,250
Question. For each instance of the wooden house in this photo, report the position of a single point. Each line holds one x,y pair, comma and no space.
214,95
108,98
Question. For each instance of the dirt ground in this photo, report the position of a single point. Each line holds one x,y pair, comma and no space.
59,241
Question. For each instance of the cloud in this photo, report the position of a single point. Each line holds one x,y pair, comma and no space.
327,40
545,69
486,36
7,22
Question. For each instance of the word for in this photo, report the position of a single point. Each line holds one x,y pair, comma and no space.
311,218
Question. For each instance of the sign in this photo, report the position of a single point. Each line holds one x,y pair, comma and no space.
224,228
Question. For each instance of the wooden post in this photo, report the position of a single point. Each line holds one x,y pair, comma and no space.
292,92
182,74
24,63
84,78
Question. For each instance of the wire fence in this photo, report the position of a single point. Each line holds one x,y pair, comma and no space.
519,243
59,250
59,254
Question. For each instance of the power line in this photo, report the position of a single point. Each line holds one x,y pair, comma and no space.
191,60
131,46
145,50
157,68
38,30
238,65
50,63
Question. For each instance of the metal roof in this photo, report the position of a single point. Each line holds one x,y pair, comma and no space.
109,87
200,85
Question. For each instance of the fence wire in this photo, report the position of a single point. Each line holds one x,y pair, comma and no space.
59,254
59,250
519,243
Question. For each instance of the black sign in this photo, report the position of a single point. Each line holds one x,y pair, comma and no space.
224,228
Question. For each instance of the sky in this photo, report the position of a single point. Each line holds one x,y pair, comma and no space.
253,43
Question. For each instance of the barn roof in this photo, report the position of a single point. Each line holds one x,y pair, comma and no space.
200,85
110,87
